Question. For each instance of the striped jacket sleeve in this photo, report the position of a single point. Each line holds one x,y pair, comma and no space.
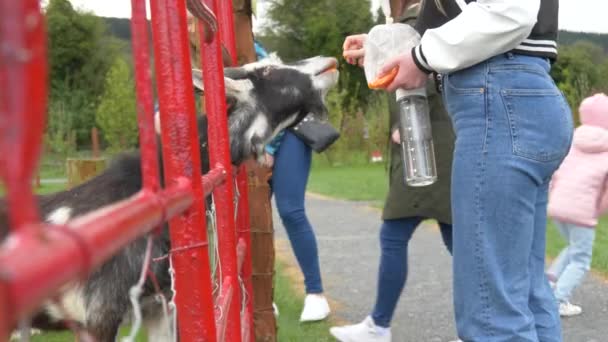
484,28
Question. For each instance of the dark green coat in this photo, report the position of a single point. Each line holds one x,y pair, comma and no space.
431,201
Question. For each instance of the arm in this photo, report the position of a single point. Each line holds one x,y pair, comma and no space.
483,29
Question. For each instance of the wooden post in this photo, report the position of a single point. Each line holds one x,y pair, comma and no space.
262,237
82,169
95,142
263,254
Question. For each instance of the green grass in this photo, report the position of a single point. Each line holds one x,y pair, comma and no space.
356,183
69,337
46,188
53,337
290,304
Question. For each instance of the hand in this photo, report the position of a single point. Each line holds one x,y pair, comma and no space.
408,76
353,50
396,137
268,160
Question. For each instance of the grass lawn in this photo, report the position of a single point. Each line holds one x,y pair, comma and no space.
290,302
357,183
369,183
69,337
46,188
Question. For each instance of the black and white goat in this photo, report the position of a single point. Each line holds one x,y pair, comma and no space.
263,98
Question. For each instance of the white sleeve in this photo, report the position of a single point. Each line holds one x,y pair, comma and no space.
483,29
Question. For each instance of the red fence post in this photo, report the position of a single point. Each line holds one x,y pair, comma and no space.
181,158
23,77
5,328
143,86
215,104
41,258
226,21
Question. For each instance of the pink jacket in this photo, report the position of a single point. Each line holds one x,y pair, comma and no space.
579,188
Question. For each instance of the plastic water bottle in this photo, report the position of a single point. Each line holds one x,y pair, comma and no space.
417,151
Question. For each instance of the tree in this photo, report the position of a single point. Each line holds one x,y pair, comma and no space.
304,28
580,71
116,114
80,54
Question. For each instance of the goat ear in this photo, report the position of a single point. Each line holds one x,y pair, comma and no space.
236,73
234,87
237,89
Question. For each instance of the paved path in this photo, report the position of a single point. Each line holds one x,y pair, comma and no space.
347,234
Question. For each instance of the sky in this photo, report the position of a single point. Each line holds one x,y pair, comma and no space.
575,15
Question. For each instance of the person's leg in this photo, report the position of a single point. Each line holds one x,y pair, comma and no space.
289,178
446,235
580,253
562,260
392,273
542,302
504,156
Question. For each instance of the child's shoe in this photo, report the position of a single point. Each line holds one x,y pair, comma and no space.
567,309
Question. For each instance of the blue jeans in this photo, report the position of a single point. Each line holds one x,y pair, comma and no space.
395,236
288,182
574,261
513,128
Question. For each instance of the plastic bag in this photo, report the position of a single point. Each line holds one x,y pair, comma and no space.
386,41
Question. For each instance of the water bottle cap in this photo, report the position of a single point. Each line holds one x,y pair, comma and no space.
400,93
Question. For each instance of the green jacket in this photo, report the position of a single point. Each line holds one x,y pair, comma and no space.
431,201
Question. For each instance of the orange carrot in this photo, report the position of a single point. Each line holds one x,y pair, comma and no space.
384,81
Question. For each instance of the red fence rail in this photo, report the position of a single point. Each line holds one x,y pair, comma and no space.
38,258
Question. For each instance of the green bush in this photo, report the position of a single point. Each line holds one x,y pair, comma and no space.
116,114
361,132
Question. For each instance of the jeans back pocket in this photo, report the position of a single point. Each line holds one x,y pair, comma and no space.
540,123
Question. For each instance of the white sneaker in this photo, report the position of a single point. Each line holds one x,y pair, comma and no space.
316,308
567,309
366,331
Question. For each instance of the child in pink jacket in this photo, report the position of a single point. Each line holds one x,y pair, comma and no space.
578,196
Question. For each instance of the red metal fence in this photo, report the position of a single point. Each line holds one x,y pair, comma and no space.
39,258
